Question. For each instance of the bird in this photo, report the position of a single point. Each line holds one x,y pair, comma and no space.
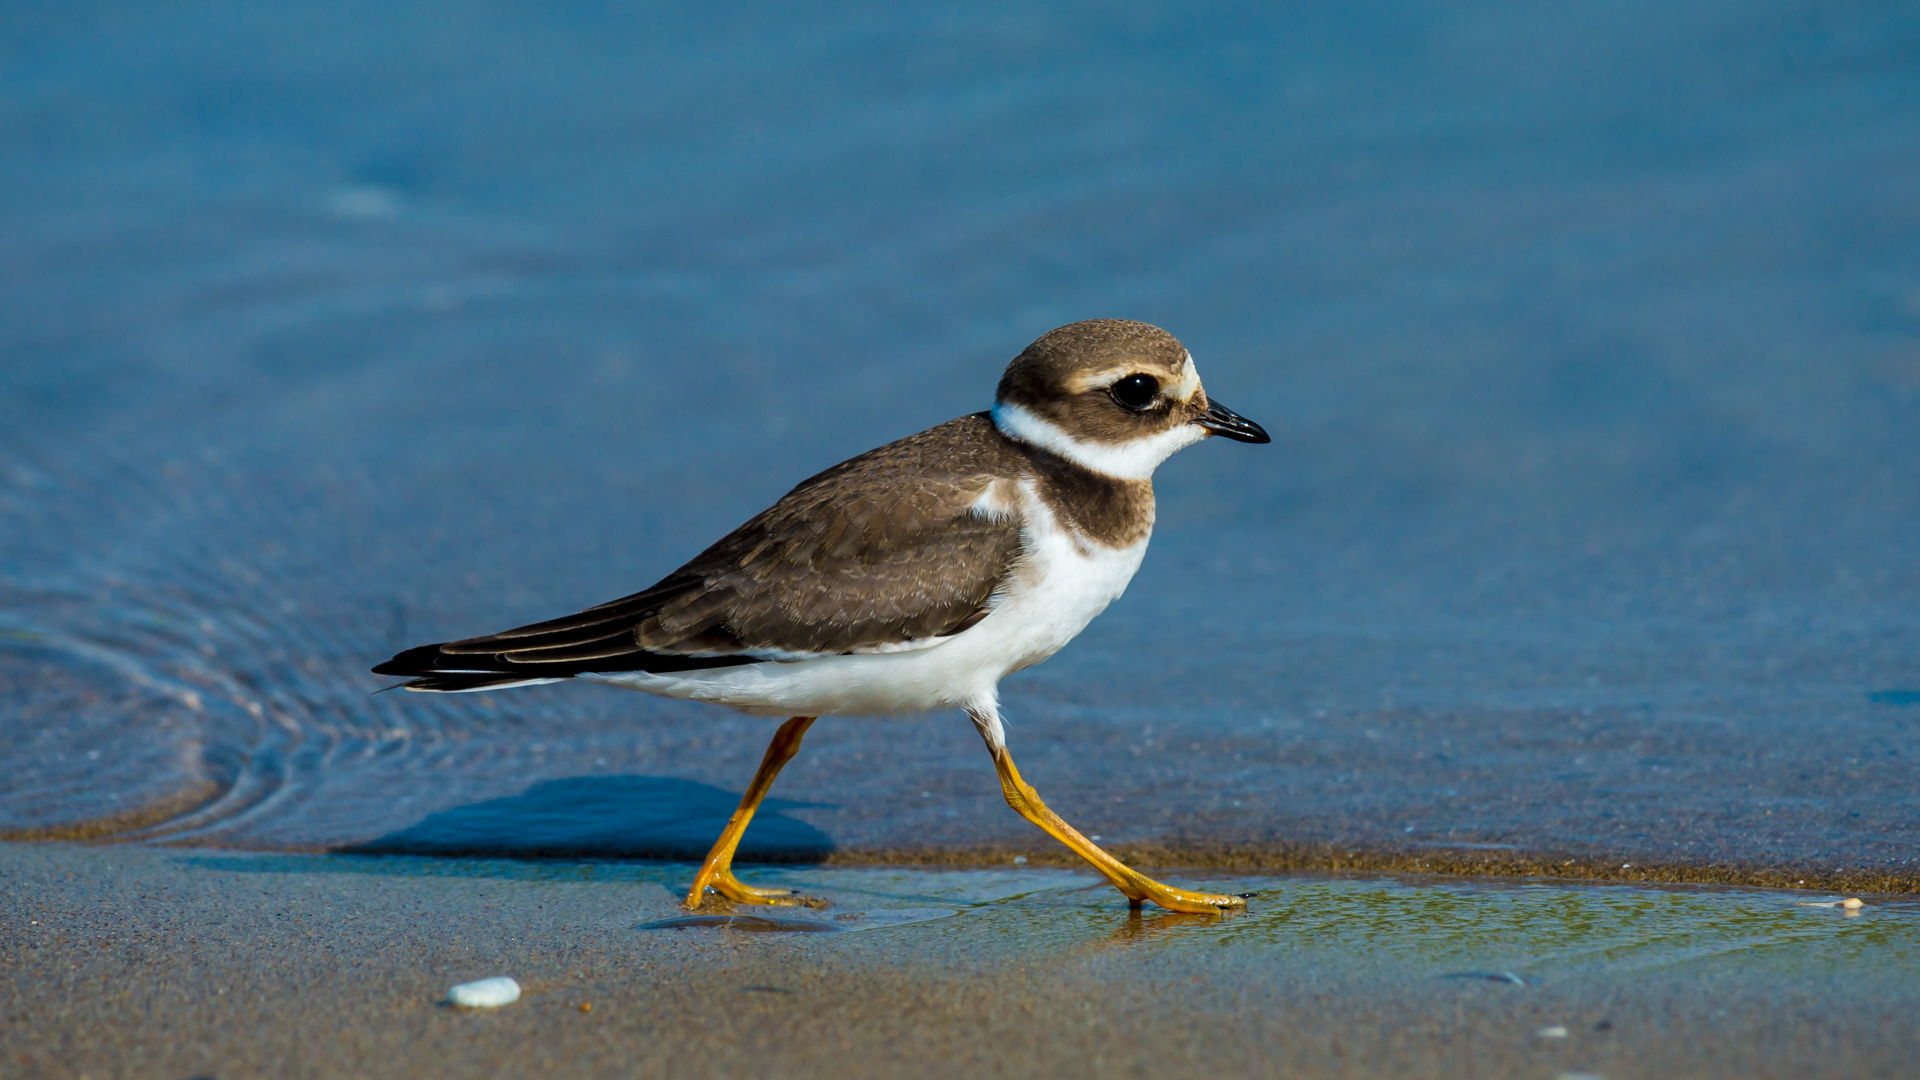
906,580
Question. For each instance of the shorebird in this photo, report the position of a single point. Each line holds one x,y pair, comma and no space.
910,579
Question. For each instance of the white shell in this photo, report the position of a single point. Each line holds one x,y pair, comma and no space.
485,993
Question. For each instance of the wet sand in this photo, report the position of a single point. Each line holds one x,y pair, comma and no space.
137,961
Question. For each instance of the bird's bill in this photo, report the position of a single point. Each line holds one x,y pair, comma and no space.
1221,420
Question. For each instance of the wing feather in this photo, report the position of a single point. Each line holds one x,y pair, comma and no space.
883,552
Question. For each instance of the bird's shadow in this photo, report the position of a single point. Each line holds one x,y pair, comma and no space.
606,817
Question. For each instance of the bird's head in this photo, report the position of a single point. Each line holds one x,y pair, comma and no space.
1115,396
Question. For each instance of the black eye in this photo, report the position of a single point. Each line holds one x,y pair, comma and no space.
1136,392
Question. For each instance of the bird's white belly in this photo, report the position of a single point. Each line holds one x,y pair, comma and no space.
1063,583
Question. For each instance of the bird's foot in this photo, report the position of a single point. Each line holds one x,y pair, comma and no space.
733,889
1195,903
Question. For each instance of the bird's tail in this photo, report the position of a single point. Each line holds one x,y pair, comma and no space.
431,671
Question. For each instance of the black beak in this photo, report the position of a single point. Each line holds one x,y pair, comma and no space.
1221,420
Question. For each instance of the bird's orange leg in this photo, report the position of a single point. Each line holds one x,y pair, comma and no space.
717,871
1137,886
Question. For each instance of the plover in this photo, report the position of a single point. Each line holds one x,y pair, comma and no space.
909,579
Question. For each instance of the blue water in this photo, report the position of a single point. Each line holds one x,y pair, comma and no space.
1589,337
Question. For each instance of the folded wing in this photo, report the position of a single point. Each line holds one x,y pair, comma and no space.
852,560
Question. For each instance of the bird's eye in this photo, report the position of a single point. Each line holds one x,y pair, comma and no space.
1136,392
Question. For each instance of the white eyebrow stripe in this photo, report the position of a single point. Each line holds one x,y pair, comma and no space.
1189,381
1181,390
1133,460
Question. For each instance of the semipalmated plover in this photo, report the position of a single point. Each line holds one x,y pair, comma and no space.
909,579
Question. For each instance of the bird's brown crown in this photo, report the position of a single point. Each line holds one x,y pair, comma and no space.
1106,381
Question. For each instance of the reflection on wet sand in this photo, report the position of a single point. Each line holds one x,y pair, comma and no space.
1140,927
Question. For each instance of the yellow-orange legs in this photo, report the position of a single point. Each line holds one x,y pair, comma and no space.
717,871
1137,887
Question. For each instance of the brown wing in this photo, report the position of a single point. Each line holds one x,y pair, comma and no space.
881,551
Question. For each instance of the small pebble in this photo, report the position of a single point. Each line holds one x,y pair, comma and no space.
485,993
586,1006
1554,1032
1853,903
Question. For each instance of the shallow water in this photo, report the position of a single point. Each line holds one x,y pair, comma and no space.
1590,343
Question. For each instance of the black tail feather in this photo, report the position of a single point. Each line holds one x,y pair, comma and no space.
461,684
434,671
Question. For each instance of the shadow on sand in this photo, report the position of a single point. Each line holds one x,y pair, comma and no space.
606,817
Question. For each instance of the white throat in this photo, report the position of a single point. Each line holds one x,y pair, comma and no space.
1133,460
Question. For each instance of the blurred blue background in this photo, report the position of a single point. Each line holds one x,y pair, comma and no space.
1589,335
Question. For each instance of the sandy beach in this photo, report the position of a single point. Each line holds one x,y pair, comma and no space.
143,962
